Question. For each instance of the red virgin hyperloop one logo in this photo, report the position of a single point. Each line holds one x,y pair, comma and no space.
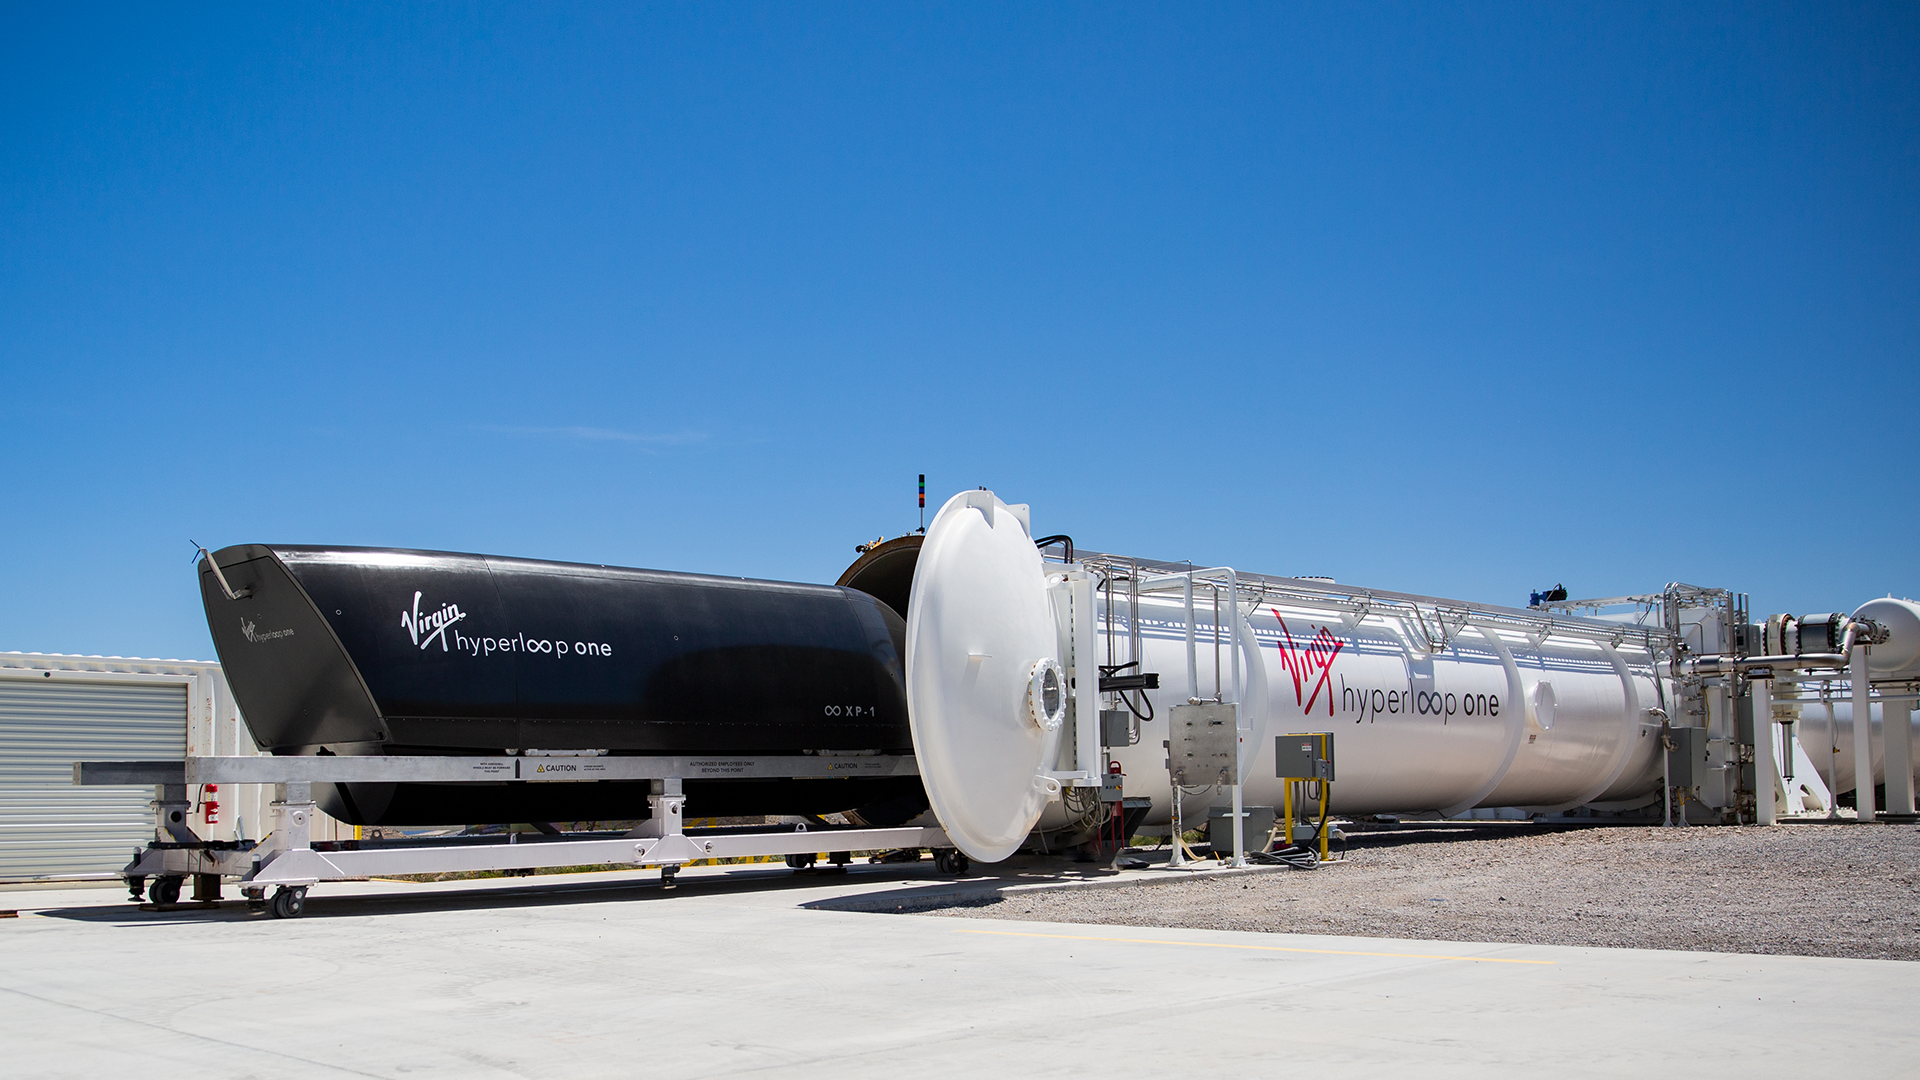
1311,665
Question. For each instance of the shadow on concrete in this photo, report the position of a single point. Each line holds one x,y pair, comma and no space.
1024,873
549,891
915,887
982,888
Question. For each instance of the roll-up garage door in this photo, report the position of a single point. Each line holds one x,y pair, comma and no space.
48,827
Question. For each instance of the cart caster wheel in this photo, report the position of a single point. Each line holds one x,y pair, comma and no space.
802,862
952,862
288,902
165,889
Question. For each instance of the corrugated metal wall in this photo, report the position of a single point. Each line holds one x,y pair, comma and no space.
50,828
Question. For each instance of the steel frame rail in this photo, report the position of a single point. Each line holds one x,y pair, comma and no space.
288,859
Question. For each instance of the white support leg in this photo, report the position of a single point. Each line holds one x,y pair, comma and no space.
293,817
1767,785
667,822
1239,823
1896,729
170,815
667,803
1862,737
1083,666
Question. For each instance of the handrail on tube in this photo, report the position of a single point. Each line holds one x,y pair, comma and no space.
1357,604
1183,580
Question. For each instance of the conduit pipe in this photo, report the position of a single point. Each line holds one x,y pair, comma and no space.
1856,630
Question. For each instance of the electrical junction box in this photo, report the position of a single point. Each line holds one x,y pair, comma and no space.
1204,740
1256,827
1687,762
1116,727
1307,756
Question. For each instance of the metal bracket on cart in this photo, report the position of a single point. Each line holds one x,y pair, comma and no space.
288,861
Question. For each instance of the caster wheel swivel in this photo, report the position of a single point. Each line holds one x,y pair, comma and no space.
288,902
164,890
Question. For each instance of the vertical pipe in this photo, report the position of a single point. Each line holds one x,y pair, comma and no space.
1106,613
1085,673
1728,777
1862,737
1896,733
1193,659
1219,691
1133,614
1178,858
1239,740
1765,774
1833,753
1666,774
1173,785
1790,690
1233,633
1239,817
1193,694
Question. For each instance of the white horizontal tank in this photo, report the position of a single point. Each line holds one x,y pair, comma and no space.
1433,717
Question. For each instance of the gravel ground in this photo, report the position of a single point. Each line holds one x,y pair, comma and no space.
1808,890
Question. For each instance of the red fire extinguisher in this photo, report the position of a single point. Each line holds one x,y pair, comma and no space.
209,804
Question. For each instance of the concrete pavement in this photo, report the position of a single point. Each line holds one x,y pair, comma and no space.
745,971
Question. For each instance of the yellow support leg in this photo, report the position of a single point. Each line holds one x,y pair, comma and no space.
1286,799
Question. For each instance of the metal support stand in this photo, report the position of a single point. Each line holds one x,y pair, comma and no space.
289,861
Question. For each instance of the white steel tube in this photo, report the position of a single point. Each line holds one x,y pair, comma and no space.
1862,738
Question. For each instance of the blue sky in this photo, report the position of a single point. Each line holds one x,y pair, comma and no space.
1456,299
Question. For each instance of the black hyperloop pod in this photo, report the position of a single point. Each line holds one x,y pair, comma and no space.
363,650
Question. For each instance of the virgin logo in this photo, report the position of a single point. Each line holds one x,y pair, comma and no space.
423,629
256,636
1311,665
